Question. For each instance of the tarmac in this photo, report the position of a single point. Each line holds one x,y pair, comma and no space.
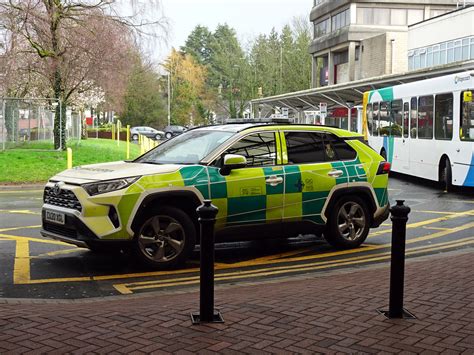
332,312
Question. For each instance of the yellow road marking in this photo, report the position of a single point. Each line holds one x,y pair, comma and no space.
20,212
17,228
437,228
128,288
19,191
57,252
31,239
251,262
21,270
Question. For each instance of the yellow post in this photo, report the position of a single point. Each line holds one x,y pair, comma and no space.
119,125
69,158
128,142
113,131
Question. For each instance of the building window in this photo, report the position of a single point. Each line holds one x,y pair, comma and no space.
398,17
465,49
429,57
415,16
321,28
472,48
450,52
436,55
442,53
340,20
382,17
434,13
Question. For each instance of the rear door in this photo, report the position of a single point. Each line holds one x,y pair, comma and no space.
311,170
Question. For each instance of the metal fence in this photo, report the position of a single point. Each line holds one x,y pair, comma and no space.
28,121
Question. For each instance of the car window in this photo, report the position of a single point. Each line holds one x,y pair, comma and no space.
337,149
187,148
304,147
258,148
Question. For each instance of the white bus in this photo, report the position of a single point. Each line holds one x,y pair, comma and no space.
425,128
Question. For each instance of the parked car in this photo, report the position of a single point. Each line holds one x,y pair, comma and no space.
146,131
268,181
173,130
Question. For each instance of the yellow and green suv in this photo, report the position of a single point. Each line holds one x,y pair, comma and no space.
267,180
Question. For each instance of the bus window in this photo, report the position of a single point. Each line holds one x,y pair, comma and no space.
396,118
384,120
375,114
406,112
369,117
444,116
425,117
413,117
467,116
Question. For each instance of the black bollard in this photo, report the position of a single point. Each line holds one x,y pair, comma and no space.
207,218
399,217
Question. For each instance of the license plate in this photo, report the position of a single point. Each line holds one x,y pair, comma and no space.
55,217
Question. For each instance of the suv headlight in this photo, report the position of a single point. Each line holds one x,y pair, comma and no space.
96,188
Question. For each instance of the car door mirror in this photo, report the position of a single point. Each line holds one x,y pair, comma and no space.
233,161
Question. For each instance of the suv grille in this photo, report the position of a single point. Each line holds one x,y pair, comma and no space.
60,230
64,198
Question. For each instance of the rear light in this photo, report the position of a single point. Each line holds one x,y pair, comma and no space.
384,168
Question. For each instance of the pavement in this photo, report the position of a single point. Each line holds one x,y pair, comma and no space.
335,312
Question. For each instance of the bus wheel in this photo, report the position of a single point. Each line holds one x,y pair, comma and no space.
383,153
445,177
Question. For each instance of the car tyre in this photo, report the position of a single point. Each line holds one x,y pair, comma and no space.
135,137
168,135
348,223
158,137
165,239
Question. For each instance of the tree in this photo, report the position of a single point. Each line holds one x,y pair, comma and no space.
71,42
144,104
187,88
198,45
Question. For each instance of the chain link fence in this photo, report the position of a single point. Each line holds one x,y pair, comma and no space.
30,122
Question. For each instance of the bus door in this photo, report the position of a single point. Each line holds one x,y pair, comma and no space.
404,155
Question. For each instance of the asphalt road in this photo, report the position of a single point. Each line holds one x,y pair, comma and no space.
36,267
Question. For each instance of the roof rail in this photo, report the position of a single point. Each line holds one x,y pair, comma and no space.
260,120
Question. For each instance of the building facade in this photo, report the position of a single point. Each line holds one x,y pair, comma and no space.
441,40
358,39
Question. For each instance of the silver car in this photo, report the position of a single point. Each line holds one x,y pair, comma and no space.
149,132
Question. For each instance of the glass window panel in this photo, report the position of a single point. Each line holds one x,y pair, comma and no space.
471,55
304,147
465,49
413,117
411,63
442,53
375,127
384,120
406,116
450,52
425,117
370,118
396,118
259,149
415,16
467,120
398,17
382,16
444,116
416,61
436,55
423,59
429,57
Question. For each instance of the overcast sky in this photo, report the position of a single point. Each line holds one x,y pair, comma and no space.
248,17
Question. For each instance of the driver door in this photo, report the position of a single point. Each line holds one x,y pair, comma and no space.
254,194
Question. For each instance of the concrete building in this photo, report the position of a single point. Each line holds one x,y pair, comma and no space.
441,40
358,39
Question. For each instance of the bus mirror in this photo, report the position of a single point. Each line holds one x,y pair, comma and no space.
467,97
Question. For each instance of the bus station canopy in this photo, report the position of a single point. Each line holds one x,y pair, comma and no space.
350,94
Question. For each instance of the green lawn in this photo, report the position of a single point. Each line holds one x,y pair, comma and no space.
29,163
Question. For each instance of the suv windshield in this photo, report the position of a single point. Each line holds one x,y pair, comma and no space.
188,148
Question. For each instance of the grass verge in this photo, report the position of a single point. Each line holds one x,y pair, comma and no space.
29,163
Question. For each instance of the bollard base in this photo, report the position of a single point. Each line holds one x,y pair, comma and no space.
405,315
216,318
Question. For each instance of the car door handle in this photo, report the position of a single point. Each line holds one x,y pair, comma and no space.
335,173
274,180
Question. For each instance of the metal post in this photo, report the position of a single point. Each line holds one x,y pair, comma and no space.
4,134
399,217
207,218
60,125
169,98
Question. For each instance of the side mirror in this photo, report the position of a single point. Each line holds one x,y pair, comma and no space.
233,161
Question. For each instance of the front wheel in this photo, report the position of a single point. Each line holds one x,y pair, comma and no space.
168,135
135,137
158,137
166,239
348,223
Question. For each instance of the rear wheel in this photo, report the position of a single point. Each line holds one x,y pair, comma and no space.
158,137
348,223
445,176
168,135
166,239
135,137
